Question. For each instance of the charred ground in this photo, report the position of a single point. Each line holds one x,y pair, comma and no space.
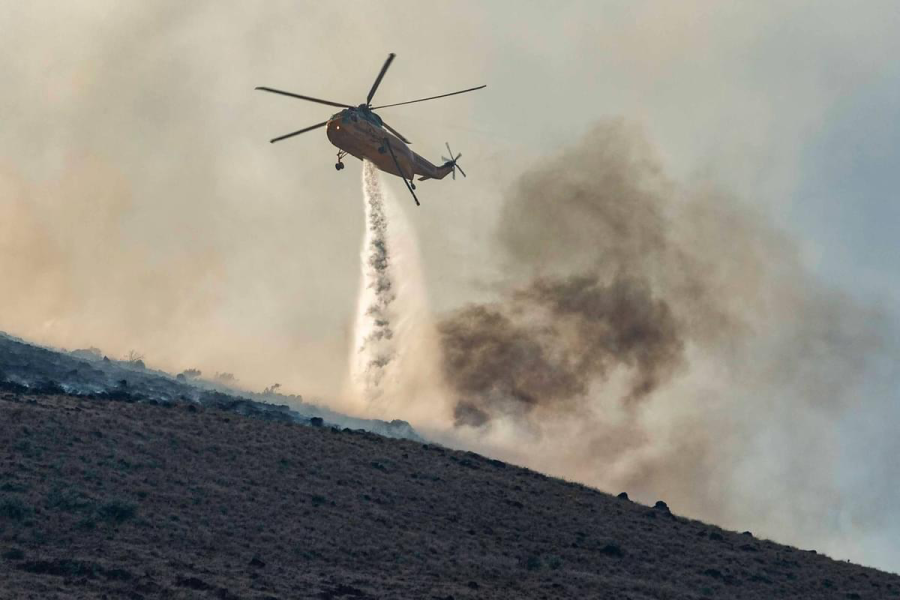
140,500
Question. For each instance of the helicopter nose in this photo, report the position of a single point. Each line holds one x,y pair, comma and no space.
334,130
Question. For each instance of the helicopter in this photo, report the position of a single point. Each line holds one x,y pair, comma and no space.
360,132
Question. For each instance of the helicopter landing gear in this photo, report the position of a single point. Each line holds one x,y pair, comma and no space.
339,165
412,185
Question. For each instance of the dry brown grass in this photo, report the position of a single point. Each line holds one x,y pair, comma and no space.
133,500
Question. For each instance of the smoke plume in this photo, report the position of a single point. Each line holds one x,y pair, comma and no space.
600,288
664,339
549,341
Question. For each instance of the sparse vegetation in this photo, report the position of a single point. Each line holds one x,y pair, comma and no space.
135,359
188,374
117,510
12,487
65,499
24,447
14,554
86,523
88,353
554,562
14,509
225,378
134,500
612,550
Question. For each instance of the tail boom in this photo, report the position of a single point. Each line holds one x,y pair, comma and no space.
434,172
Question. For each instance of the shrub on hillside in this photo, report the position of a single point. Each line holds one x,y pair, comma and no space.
189,374
226,378
135,359
118,511
65,499
14,509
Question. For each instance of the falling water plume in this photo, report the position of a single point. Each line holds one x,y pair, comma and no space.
374,341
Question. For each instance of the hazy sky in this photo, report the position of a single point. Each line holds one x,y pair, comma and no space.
141,206
792,104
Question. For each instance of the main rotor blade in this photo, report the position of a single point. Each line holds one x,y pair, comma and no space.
310,128
431,97
292,95
378,79
397,133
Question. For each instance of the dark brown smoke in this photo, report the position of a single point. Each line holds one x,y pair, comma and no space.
666,339
587,233
547,342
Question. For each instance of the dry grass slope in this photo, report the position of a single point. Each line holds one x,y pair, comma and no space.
100,498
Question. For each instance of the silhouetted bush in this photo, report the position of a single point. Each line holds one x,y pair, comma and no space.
118,511
65,499
256,561
226,378
14,509
135,359
88,353
612,550
14,554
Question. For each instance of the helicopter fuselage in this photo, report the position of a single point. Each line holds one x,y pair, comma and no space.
360,133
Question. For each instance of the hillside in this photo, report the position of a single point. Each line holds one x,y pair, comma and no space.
87,372
124,499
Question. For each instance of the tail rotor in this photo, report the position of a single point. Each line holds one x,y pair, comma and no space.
452,162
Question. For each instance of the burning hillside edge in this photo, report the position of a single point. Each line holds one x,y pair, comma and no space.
26,368
667,340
